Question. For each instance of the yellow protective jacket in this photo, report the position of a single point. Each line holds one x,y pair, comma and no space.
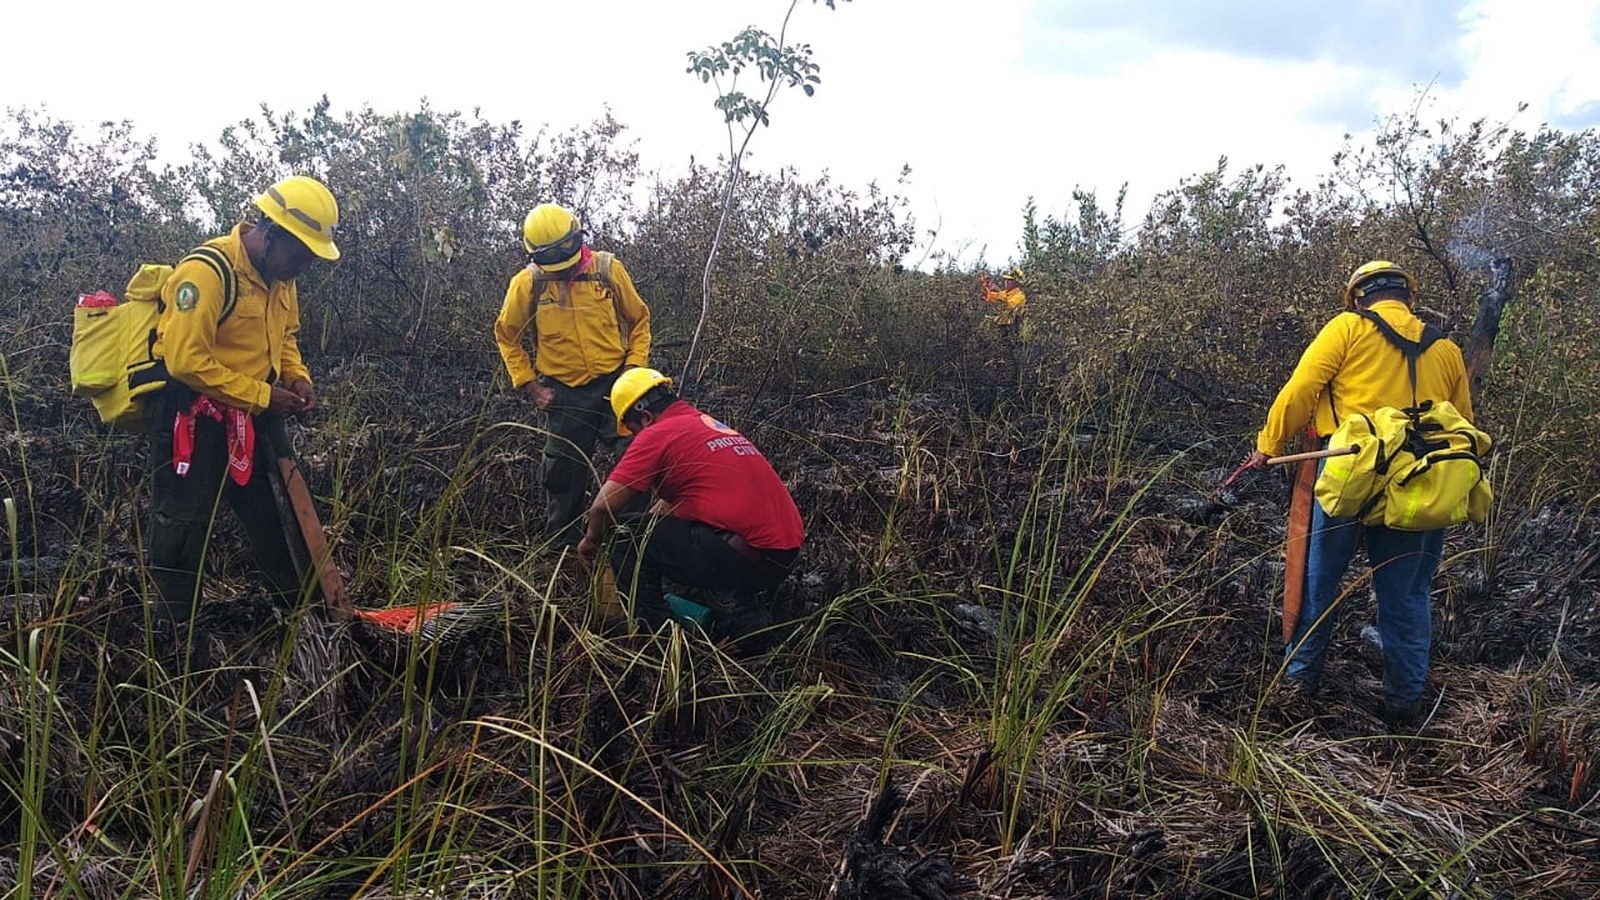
1351,368
237,362
1011,301
576,333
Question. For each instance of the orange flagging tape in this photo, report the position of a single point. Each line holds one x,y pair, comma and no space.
403,618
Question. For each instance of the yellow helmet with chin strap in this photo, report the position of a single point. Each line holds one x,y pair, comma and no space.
304,207
553,235
1380,274
631,387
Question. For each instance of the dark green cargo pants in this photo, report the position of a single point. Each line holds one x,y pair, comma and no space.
183,508
577,419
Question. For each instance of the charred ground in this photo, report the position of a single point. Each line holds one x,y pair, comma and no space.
877,744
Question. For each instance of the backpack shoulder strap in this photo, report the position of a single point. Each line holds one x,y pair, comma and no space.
1412,349
1430,336
542,280
602,268
218,261
602,271
1404,344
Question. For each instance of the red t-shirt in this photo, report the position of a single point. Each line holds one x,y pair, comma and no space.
712,474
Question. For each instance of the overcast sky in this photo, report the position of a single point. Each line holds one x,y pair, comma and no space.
1096,93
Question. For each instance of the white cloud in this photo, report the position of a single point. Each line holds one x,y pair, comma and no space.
930,83
1540,53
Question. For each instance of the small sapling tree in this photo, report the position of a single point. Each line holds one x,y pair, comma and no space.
777,64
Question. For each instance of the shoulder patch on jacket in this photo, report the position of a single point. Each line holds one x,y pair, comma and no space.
186,296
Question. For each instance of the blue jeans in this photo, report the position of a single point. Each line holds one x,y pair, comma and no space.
1403,566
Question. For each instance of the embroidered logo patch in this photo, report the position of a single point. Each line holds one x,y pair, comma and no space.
716,425
188,295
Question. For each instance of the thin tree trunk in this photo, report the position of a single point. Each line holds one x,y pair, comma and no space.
1491,305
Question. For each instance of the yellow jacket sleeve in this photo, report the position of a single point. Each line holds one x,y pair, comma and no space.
1012,298
516,317
1291,411
193,296
637,314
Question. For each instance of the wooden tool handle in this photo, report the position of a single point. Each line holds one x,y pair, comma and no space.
1314,454
305,513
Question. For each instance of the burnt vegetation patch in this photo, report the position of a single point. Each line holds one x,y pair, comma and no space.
1031,645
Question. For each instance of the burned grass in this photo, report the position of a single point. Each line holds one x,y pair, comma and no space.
1032,655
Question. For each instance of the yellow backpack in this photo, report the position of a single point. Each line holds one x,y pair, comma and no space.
1437,479
1414,469
1351,486
112,360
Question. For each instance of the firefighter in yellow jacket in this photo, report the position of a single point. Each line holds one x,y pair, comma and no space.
226,338
588,326
1351,369
1008,299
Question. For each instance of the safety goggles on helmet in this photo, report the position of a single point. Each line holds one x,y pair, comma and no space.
633,411
1385,282
560,251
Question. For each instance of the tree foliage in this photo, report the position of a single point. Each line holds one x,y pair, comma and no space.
1218,285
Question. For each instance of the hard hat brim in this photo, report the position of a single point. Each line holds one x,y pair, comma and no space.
323,247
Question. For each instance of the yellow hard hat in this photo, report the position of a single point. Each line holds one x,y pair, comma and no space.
1369,277
302,206
553,235
630,388
1015,274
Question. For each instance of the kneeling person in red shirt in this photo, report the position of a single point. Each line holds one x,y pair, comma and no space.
723,519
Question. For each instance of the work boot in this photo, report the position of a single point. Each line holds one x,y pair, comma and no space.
745,619
1402,713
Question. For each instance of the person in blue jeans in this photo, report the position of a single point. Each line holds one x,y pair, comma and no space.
1403,565
1351,368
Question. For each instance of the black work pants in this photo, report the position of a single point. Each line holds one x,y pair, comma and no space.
183,508
577,419
695,555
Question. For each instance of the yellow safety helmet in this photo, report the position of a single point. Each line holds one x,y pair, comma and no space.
553,235
1376,275
631,387
1015,274
302,206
